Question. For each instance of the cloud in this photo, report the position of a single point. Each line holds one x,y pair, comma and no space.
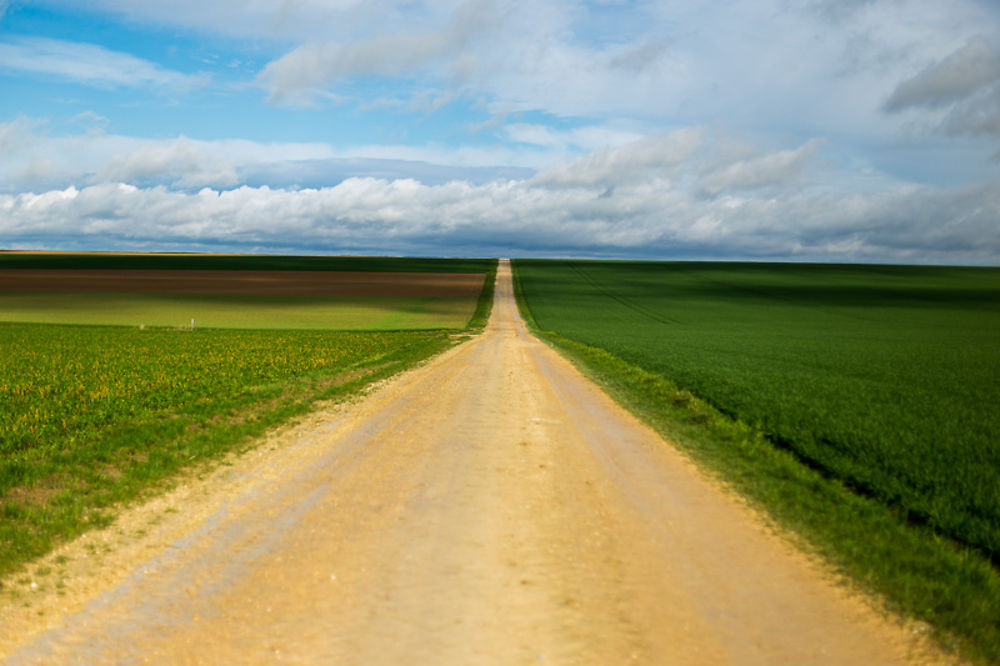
979,116
687,193
519,218
811,68
779,167
586,138
954,78
641,199
90,64
318,173
296,76
253,19
525,56
964,86
838,9
31,159
96,121
182,161
639,57
17,133
634,161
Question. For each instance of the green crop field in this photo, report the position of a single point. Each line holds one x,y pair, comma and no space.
885,379
293,311
92,417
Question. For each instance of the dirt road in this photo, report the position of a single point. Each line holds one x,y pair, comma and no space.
491,507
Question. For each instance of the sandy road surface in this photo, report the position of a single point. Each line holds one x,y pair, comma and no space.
491,507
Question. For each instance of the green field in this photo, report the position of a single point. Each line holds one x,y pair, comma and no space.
255,311
883,380
93,417
886,377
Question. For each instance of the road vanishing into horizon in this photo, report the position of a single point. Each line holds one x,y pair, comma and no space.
492,506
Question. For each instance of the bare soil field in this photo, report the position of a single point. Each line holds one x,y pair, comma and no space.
346,283
490,507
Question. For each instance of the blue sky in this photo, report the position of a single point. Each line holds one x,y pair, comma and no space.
831,130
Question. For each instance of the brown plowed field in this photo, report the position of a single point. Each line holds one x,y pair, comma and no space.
338,283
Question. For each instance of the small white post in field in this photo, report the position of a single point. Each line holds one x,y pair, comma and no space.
192,323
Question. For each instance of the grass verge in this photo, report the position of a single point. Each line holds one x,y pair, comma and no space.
917,573
484,306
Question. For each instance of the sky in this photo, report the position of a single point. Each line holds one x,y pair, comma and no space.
777,130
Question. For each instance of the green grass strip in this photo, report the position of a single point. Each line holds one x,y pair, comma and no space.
918,573
484,306
242,311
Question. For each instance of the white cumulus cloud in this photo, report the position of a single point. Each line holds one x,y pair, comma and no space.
643,199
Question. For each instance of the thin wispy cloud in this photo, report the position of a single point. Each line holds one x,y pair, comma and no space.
314,66
34,159
90,64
